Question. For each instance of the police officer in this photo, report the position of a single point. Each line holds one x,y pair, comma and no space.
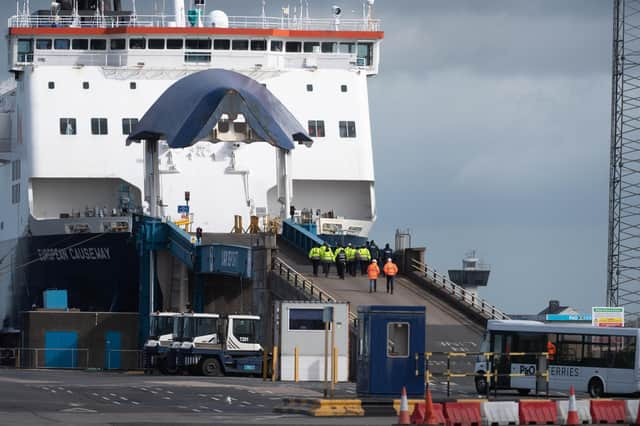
351,259
375,252
340,257
326,257
314,256
365,258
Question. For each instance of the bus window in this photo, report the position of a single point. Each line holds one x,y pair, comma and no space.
569,349
596,350
622,351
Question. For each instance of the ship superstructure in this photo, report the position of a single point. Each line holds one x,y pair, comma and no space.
84,72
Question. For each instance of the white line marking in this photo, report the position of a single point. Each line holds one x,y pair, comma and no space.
116,402
154,392
182,406
68,391
166,397
195,410
202,395
135,403
123,398
215,399
52,391
204,407
94,394
113,394
105,398
245,402
170,392
217,411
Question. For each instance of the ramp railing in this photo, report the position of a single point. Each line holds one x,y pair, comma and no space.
298,237
306,286
459,293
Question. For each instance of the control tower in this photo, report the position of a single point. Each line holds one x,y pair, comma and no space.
473,273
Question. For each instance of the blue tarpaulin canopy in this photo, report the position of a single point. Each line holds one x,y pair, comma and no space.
187,111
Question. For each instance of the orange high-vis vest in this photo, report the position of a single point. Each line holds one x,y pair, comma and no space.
390,269
373,271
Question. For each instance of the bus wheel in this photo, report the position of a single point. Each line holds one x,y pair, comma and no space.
481,385
596,388
211,367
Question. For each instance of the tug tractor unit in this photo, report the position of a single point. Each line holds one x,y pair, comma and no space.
162,331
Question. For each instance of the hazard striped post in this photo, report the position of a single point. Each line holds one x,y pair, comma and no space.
572,412
403,417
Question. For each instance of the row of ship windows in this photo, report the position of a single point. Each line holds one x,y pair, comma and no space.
133,85
364,51
100,126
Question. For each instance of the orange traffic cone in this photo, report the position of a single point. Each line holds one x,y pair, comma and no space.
429,416
403,418
572,411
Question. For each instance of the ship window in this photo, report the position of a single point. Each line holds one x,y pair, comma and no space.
293,46
137,43
276,45
223,126
174,43
85,85
240,44
98,44
316,128
343,88
309,87
52,85
221,44
156,43
329,47
197,57
118,44
133,85
347,48
80,44
128,124
43,44
239,127
365,55
68,126
99,126
25,50
347,129
62,44
260,45
311,46
198,43
15,170
15,193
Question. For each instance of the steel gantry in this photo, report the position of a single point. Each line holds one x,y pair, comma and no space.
623,272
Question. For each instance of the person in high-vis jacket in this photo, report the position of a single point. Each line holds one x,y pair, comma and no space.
351,259
390,270
326,257
314,256
373,271
364,258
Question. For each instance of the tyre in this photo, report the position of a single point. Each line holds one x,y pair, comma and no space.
481,385
211,367
523,392
596,388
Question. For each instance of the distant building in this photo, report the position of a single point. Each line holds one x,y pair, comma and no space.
554,308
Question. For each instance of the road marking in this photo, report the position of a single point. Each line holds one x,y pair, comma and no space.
195,410
135,403
217,411
245,402
261,405
105,398
78,410
252,392
170,392
202,395
204,407
143,389
94,394
52,391
215,399
268,391
154,392
219,395
166,397
68,391
183,406
116,402
60,388
113,394
123,398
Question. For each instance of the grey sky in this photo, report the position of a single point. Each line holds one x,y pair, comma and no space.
491,131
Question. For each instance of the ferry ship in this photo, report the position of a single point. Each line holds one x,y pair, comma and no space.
85,71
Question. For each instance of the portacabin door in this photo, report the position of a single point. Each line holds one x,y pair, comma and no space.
61,349
112,350
401,355
364,365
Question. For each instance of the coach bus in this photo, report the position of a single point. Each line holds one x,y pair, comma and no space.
593,359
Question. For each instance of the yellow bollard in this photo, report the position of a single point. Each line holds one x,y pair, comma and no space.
274,364
295,364
334,371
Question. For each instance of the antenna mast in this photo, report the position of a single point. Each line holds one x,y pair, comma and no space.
623,260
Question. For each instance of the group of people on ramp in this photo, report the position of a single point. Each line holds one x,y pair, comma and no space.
348,259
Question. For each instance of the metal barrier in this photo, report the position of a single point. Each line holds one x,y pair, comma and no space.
491,374
306,286
124,359
468,298
63,358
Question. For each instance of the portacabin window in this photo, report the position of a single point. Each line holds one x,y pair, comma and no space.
68,126
128,124
293,46
347,129
306,319
398,340
276,45
316,128
99,126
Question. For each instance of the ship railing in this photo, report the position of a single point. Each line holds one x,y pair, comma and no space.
466,297
306,286
117,21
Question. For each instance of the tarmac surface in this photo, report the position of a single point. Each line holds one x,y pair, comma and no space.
42,397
